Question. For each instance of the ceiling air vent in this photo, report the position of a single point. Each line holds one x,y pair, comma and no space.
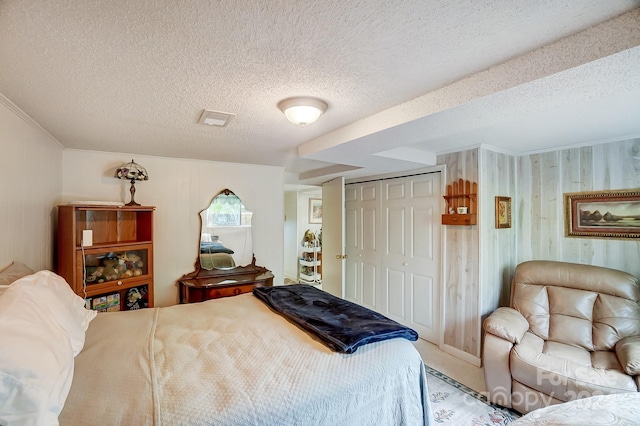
215,118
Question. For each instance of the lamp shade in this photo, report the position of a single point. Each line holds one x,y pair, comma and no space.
302,110
132,171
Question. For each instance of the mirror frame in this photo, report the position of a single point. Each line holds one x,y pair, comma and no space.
201,272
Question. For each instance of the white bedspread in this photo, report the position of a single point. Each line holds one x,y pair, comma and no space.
619,409
232,361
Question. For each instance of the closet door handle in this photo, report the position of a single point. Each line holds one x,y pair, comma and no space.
405,264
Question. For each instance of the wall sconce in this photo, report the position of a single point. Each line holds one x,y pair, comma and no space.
132,171
302,110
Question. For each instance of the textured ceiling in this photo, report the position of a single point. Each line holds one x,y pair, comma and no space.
404,80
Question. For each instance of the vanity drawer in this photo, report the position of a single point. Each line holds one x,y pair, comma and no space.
216,293
191,292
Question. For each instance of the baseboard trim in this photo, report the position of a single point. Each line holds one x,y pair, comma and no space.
465,356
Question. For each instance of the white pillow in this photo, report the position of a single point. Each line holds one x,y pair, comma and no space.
36,361
51,292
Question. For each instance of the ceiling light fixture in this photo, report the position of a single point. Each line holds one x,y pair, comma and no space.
302,110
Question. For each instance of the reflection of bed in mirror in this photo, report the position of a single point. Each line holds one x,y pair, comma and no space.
225,265
214,255
217,261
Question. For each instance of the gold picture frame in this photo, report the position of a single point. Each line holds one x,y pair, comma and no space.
602,214
503,212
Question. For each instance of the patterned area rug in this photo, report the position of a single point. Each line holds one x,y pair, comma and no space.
456,404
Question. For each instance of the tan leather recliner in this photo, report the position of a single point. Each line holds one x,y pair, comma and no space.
572,331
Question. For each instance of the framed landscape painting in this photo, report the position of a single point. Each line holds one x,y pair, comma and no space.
603,214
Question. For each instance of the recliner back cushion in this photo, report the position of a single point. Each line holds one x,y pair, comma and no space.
532,301
580,305
614,319
571,318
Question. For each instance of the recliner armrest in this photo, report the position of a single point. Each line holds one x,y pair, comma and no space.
628,352
506,323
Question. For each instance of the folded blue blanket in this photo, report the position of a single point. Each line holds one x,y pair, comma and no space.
341,325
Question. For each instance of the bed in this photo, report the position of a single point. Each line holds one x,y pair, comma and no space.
230,361
613,409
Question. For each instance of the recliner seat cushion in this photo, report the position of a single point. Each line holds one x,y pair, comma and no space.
565,371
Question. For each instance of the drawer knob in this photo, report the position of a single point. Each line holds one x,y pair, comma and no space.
119,282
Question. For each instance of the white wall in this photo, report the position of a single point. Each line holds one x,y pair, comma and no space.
303,216
180,189
303,211
31,176
291,235
297,222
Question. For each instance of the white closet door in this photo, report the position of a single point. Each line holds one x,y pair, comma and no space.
393,248
410,277
362,207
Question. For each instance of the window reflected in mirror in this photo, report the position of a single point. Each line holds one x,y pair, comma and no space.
228,210
225,239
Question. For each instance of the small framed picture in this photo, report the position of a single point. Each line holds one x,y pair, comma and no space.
315,210
503,212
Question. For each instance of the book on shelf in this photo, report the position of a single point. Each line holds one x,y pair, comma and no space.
113,302
100,303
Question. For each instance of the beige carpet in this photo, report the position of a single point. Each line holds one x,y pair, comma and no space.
459,370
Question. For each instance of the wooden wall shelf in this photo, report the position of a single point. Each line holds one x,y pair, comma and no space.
461,193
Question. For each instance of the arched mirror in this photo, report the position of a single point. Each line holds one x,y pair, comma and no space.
225,236
225,265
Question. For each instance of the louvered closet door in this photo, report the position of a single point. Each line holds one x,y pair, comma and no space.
410,236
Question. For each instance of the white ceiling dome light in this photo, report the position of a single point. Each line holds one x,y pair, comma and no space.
302,110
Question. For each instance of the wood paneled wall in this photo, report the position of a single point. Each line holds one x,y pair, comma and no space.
542,181
497,246
478,261
31,175
461,265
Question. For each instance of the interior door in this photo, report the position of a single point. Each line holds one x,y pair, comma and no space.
333,237
362,206
410,279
